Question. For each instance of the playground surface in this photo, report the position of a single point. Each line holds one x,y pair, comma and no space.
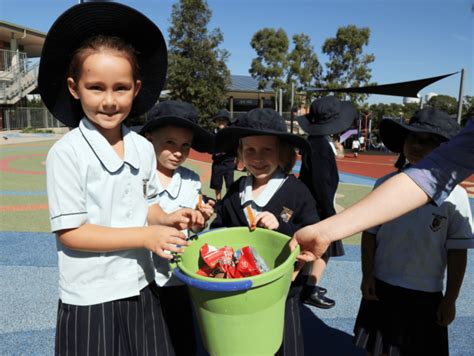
28,260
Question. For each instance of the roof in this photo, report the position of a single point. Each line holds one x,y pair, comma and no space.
31,40
245,83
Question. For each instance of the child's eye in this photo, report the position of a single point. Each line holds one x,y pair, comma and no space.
95,88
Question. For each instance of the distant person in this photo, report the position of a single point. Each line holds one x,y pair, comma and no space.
327,116
95,71
431,179
355,147
223,163
173,129
403,310
269,197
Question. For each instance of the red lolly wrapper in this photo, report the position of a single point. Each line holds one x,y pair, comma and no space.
247,265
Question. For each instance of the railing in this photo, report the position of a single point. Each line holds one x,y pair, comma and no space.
17,76
20,118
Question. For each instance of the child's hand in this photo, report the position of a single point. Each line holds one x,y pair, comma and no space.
185,218
207,209
368,288
446,312
164,238
267,220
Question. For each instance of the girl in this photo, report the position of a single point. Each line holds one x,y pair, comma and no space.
101,180
172,128
403,310
269,196
327,116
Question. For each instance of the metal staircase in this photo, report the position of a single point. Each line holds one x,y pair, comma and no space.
17,76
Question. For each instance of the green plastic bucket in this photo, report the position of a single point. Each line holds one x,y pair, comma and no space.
240,316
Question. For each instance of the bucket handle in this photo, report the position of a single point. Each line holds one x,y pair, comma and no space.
237,286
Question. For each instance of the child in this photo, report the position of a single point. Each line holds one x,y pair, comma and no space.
355,147
327,116
269,196
223,164
172,128
96,70
403,310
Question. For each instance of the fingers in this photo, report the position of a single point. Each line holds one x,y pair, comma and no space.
267,220
293,244
306,256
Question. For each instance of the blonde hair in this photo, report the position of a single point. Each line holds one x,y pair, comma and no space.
286,155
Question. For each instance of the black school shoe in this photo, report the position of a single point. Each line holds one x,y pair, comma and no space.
315,296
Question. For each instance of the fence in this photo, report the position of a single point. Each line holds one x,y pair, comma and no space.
20,118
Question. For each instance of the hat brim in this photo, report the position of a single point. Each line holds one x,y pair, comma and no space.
227,139
394,133
203,140
345,119
89,19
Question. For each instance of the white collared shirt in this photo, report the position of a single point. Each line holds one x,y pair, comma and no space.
88,183
182,192
257,204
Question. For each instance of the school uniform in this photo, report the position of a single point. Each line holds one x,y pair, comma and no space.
223,166
293,206
319,173
182,192
409,267
106,304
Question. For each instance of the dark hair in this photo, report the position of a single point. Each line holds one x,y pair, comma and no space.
102,43
400,163
286,155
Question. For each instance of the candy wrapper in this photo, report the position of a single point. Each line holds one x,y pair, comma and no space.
223,263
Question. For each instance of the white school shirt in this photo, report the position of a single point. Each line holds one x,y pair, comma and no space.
182,192
88,183
411,251
257,204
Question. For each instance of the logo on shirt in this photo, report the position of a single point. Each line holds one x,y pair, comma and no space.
286,214
437,222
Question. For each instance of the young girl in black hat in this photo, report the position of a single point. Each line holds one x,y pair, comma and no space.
223,164
403,310
97,68
269,197
173,129
327,116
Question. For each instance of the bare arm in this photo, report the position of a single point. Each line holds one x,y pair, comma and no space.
395,197
95,238
457,260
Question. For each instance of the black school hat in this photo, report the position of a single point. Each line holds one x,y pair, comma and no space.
223,114
181,114
257,122
87,20
428,120
327,116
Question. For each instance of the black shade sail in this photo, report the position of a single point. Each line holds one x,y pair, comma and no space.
407,89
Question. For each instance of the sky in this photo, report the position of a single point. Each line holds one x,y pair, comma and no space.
411,39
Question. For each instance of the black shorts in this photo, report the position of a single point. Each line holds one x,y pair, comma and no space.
222,171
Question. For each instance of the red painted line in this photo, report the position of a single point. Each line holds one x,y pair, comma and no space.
9,208
5,164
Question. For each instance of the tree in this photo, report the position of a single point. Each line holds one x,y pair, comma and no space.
271,63
467,108
197,72
444,103
304,68
348,66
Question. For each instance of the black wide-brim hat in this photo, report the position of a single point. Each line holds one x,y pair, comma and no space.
87,20
257,122
181,114
327,116
428,120
223,114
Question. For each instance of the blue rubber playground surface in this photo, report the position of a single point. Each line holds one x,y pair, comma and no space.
29,295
